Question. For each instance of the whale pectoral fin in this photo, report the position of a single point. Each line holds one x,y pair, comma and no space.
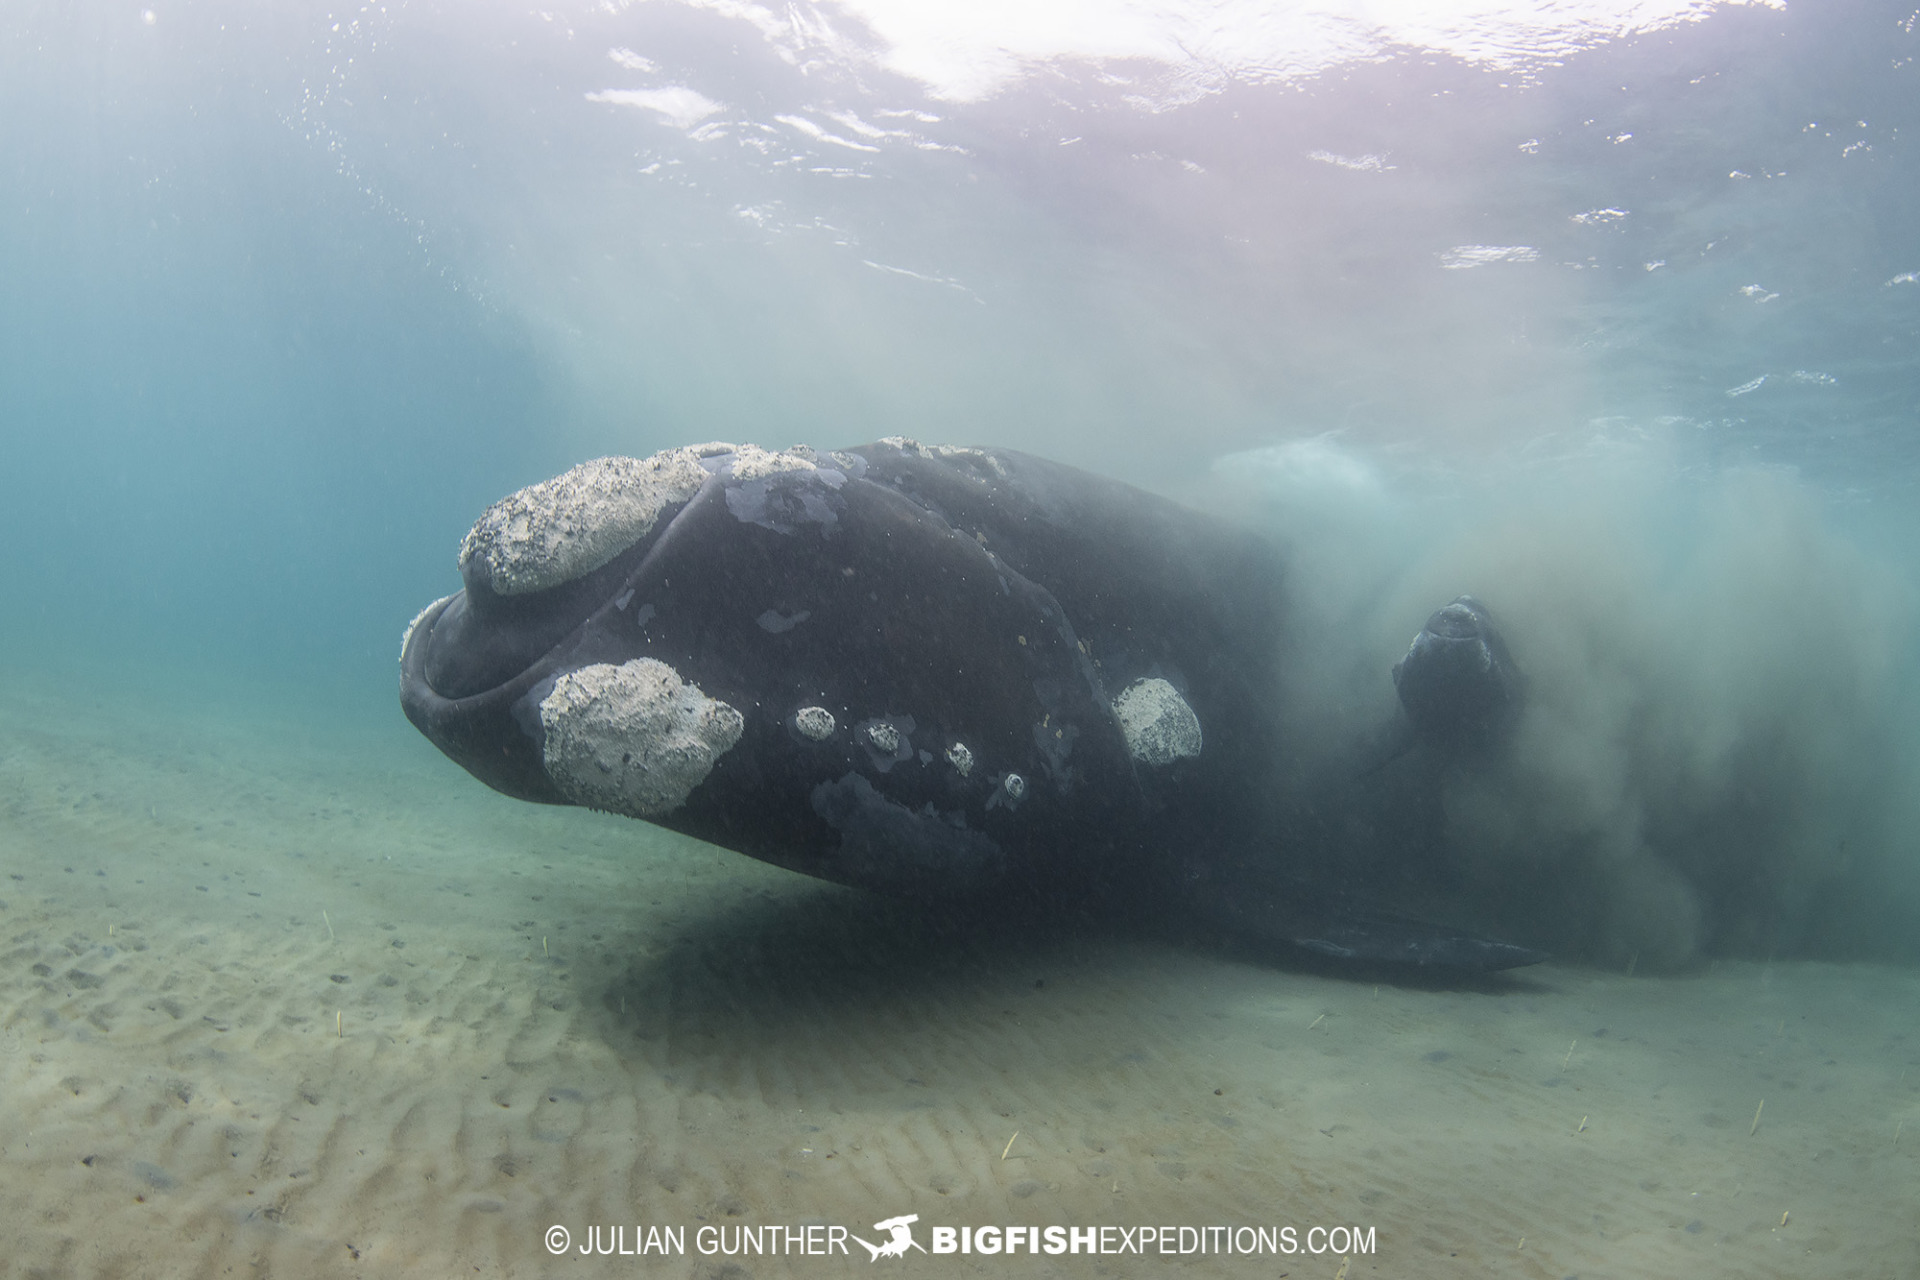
1365,937
1304,916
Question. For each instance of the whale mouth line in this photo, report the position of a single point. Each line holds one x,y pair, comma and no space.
413,662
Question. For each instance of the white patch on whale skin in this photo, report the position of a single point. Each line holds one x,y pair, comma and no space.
907,444
1159,725
815,722
978,458
960,758
559,529
751,462
633,739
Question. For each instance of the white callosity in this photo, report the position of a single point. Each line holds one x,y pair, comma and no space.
960,758
884,737
751,462
633,739
980,458
814,722
559,529
1159,725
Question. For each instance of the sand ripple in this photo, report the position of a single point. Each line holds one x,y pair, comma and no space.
509,1018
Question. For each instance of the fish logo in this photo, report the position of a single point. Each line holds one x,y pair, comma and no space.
902,1232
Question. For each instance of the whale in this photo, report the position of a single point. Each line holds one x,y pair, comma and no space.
948,673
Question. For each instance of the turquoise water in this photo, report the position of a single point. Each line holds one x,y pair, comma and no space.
1609,316
293,293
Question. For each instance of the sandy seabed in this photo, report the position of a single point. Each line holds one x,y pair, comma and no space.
284,993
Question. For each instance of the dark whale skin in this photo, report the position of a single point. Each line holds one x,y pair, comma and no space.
1037,678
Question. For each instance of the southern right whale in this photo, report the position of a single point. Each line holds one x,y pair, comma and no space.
941,672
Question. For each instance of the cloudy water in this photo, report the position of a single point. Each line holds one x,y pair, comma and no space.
1606,312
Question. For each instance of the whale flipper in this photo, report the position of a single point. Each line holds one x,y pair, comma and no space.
1335,926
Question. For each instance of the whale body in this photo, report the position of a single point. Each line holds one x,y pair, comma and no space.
925,670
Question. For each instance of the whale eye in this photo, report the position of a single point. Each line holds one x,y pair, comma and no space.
1014,785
